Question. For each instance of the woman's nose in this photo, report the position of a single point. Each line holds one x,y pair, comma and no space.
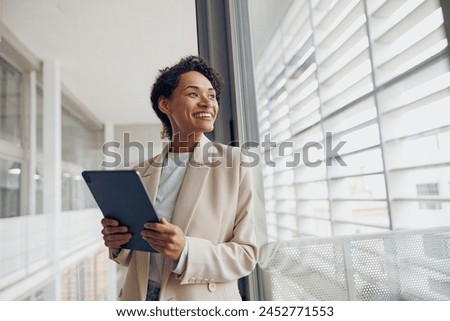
204,102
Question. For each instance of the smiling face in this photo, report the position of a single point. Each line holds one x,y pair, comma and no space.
192,107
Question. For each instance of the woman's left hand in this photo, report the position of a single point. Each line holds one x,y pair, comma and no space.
168,239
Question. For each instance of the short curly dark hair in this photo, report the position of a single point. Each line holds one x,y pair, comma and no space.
168,80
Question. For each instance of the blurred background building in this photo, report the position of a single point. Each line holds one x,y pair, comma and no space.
375,75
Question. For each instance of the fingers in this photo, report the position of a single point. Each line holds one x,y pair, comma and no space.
114,235
163,227
159,249
161,231
111,226
109,222
169,250
114,230
116,240
157,238
166,238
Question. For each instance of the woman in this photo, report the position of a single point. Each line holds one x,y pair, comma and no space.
205,239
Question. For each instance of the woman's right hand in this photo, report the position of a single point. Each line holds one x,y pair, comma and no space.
114,235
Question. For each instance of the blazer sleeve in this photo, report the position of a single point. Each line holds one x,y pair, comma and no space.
123,258
230,260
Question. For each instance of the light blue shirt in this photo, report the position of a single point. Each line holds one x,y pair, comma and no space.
172,176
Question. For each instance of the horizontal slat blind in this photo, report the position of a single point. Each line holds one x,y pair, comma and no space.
376,76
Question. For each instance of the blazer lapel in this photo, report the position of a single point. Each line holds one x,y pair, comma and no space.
150,178
152,174
193,185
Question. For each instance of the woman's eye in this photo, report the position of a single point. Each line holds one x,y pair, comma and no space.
193,94
212,97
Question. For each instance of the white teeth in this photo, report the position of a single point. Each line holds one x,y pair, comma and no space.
202,115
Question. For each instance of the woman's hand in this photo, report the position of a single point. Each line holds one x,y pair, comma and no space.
113,234
168,239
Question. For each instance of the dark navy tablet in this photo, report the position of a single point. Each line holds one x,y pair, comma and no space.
121,195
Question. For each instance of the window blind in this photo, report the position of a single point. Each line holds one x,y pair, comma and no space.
375,75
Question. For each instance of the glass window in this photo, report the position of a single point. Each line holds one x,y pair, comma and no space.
82,141
81,149
39,191
10,102
66,194
373,76
428,190
10,174
85,281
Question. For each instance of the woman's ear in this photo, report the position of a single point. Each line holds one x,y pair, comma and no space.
163,105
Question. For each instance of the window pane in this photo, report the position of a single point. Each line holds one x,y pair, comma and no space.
317,190
312,227
410,214
416,125
342,52
375,77
81,150
82,198
419,182
346,229
66,193
39,191
418,151
368,213
305,174
421,197
359,187
404,33
352,117
10,102
365,162
360,138
312,208
10,173
82,141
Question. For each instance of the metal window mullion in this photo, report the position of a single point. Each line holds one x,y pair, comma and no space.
445,5
297,217
321,123
3,91
223,28
378,118
52,165
24,142
32,143
214,44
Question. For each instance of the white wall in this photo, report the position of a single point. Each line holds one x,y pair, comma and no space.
148,137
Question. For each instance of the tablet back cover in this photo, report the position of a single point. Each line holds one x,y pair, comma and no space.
122,196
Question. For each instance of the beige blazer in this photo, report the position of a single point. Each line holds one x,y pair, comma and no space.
214,209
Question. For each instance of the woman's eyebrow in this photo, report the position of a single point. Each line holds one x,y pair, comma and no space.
197,87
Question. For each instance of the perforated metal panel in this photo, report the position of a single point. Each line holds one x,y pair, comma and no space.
306,271
374,272
413,265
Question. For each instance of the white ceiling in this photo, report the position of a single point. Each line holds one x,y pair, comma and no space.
109,50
